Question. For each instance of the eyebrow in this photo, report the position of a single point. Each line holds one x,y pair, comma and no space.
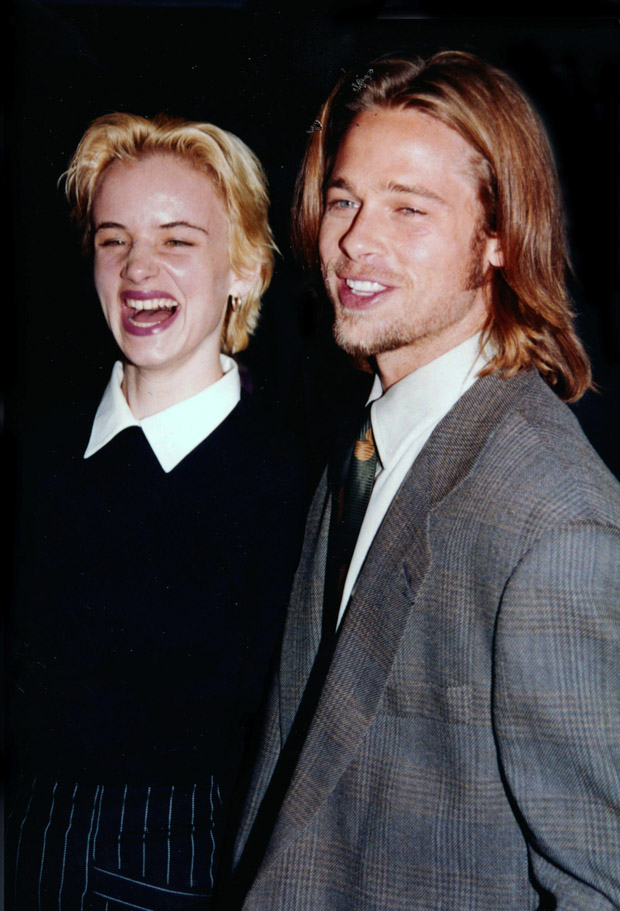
109,224
340,183
415,190
167,226
183,224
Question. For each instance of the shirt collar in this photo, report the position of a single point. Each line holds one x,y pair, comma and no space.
175,431
419,401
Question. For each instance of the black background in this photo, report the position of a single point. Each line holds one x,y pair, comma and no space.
262,72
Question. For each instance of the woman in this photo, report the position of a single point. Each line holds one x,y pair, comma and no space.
159,544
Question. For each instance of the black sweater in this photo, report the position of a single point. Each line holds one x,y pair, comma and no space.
149,604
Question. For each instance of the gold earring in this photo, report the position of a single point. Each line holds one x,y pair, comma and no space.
234,303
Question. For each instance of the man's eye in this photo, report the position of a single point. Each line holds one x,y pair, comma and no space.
341,204
409,210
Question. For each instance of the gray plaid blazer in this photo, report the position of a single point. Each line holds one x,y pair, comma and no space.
464,751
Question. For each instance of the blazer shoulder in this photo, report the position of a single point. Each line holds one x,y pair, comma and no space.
547,450
526,454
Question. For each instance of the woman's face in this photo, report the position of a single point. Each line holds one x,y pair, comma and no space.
162,266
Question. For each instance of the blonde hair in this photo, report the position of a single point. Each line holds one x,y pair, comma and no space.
531,319
222,156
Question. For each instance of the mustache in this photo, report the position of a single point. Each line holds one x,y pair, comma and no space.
355,272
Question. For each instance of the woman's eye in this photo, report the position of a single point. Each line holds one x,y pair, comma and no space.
177,242
111,242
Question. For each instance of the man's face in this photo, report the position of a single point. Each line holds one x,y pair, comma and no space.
403,253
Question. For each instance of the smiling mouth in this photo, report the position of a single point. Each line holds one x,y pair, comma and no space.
365,288
150,312
361,293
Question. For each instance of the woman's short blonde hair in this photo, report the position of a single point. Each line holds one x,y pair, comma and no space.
219,154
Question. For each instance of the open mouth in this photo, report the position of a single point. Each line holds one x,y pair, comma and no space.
151,312
360,294
148,316
366,289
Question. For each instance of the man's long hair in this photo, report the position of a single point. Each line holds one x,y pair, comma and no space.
531,319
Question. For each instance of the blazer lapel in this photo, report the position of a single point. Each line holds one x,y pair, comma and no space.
302,634
368,642
380,606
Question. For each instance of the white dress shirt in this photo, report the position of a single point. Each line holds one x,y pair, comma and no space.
403,419
175,431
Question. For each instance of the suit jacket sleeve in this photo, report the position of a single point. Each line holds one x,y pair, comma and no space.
556,711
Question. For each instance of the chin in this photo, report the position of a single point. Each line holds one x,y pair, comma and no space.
142,361
362,342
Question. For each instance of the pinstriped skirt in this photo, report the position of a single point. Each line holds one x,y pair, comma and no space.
84,847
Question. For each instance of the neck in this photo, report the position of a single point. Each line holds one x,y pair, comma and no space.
393,366
149,391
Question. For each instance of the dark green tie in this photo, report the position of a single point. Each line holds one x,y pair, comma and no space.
351,489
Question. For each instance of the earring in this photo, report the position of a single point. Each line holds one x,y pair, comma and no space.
234,303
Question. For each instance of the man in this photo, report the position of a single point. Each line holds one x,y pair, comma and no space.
447,740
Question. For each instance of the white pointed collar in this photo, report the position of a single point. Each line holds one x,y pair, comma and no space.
419,401
174,432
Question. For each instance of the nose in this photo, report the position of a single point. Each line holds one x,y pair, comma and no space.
363,237
140,263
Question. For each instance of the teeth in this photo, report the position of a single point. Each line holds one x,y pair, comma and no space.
365,287
155,303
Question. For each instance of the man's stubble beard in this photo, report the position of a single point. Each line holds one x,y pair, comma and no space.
370,340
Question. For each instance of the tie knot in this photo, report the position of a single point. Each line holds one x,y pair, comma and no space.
364,448
357,453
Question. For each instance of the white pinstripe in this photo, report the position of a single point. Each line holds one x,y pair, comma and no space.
17,790
146,816
155,888
21,828
191,868
92,819
98,821
120,830
49,822
169,828
64,853
211,834
120,902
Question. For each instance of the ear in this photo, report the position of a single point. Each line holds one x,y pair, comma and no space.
242,284
494,253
